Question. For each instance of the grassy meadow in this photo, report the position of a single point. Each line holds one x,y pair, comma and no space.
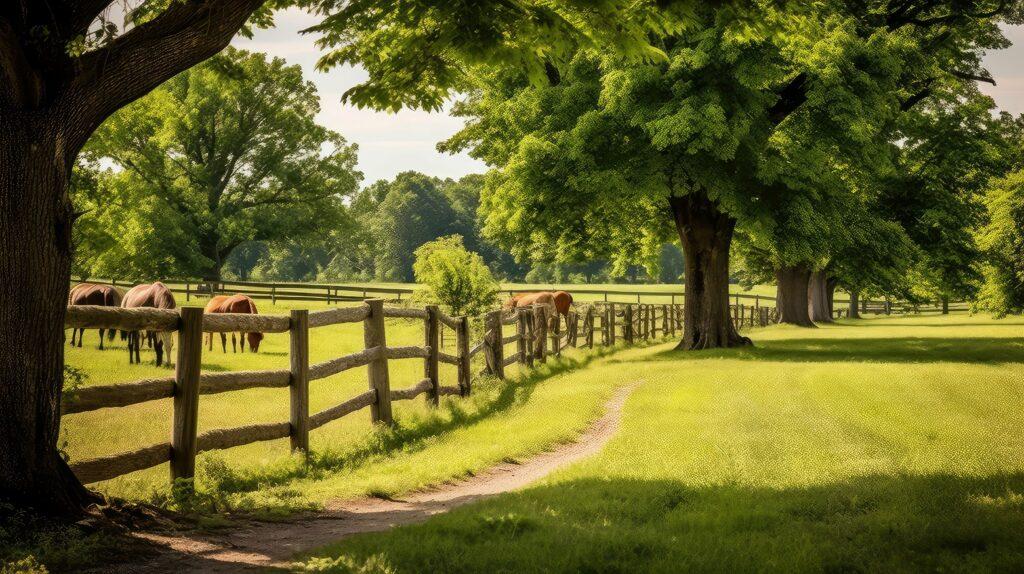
888,444
350,458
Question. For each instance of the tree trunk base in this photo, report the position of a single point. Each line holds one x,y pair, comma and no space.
705,234
736,340
791,295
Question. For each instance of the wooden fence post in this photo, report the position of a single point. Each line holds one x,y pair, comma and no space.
574,329
188,290
627,324
609,325
664,321
556,335
588,327
462,337
299,384
540,325
521,345
526,320
494,349
374,335
187,369
430,339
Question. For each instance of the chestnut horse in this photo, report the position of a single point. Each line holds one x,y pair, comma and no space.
92,294
540,300
562,300
234,304
157,296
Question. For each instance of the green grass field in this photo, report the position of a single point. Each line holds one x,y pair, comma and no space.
890,444
350,457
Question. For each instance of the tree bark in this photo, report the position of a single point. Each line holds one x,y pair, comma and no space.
818,308
35,264
945,304
830,293
791,295
855,304
50,104
705,233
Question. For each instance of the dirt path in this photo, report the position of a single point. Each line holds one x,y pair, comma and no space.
266,545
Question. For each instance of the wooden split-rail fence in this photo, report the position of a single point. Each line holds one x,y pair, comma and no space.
535,338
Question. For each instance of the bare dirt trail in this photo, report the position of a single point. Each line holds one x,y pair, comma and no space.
259,546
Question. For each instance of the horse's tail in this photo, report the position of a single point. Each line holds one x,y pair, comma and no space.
111,333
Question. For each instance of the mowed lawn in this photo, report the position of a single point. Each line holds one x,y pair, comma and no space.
349,457
889,444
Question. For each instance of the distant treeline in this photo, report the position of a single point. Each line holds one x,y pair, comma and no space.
388,220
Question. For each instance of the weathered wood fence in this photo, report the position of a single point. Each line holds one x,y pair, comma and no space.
534,336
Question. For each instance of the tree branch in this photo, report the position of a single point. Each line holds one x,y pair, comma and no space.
186,33
924,92
974,77
791,97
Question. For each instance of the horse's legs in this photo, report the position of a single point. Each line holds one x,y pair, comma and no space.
209,341
101,338
131,347
81,335
158,346
234,343
224,342
73,333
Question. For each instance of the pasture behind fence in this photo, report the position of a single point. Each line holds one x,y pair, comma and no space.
527,329
336,293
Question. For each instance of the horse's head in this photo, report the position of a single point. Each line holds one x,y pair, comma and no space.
254,341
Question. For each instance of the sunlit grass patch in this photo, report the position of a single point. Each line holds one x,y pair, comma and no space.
892,444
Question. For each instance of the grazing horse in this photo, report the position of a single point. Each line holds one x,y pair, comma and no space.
540,300
234,304
563,301
157,296
92,294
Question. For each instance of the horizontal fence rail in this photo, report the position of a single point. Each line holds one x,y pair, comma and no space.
339,293
524,336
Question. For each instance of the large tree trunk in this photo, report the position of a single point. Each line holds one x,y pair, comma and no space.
705,233
791,295
208,248
818,308
51,101
35,264
945,304
830,293
854,304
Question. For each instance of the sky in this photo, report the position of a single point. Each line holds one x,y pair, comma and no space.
393,143
388,143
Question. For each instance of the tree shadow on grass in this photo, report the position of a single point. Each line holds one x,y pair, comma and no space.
984,350
875,523
490,398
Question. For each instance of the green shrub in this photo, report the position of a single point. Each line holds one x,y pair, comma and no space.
456,278
1003,242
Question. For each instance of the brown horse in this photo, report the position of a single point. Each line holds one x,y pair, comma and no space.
234,304
562,300
157,296
92,294
540,300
